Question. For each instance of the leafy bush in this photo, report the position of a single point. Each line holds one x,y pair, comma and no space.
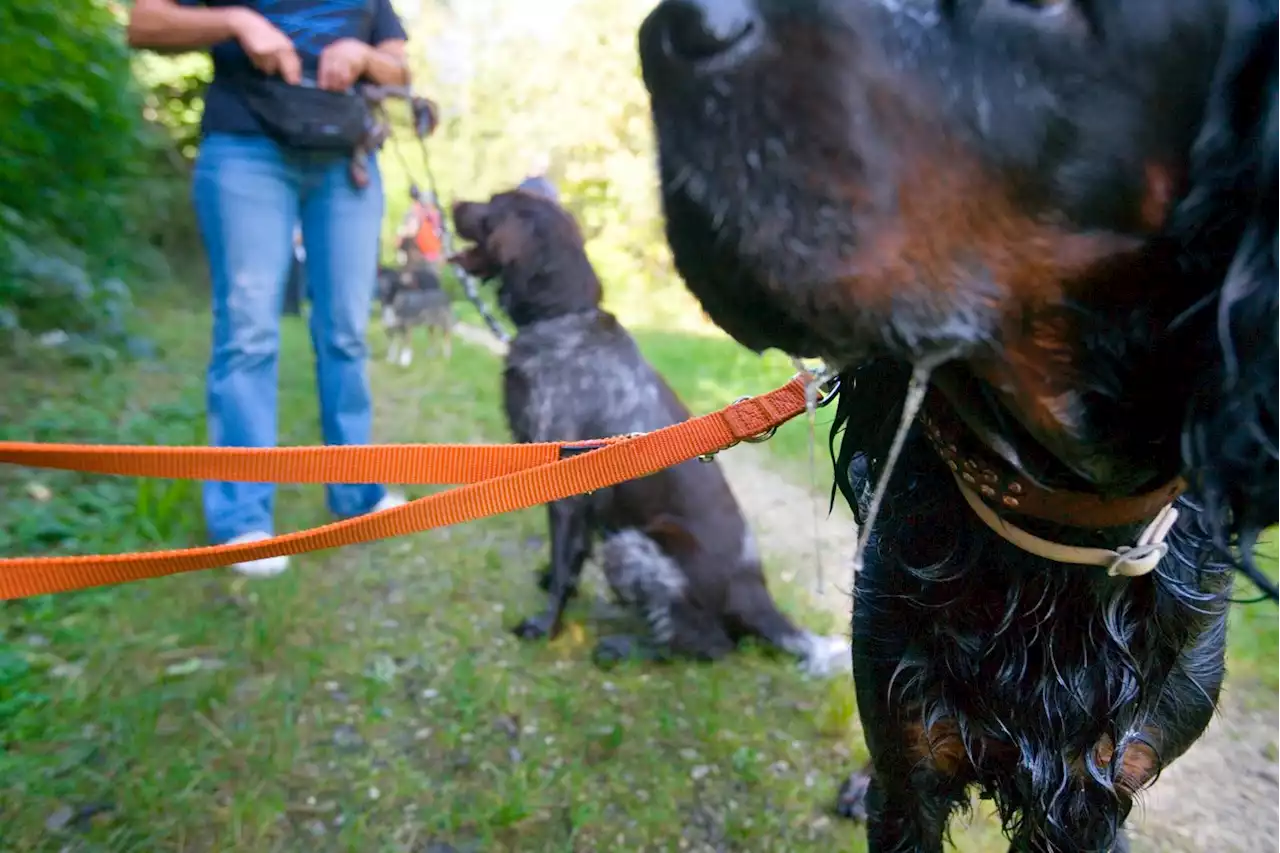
71,145
85,181
173,100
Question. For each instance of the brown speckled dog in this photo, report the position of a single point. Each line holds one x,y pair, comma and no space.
674,545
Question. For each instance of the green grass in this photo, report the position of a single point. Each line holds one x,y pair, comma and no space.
1254,637
372,699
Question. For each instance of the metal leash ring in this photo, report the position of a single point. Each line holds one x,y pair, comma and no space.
833,390
758,438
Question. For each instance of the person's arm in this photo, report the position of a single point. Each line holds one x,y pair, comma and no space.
164,25
387,64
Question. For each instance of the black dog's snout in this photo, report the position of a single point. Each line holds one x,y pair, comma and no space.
701,32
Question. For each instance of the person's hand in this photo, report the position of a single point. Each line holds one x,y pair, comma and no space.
270,50
342,63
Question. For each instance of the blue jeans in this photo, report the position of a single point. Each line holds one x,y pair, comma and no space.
249,194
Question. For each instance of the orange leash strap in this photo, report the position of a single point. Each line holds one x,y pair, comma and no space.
611,463
436,464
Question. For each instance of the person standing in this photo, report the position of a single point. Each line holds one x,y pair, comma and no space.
536,181
423,226
250,190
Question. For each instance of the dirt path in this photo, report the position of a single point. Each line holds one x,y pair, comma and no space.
790,520
1222,796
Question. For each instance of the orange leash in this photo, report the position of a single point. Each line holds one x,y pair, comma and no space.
500,479
436,464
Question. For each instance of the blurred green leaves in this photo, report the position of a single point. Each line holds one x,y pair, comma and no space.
568,87
70,114
88,188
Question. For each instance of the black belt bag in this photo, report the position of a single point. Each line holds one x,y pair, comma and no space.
307,118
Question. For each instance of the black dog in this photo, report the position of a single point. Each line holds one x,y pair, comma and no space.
675,545
1064,213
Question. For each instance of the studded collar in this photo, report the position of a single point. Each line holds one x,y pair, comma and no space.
1008,492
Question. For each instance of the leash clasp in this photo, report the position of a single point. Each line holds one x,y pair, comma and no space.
822,386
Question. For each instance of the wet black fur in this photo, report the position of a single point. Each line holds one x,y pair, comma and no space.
1077,656
1034,662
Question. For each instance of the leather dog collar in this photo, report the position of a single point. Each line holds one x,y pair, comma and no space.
996,484
1129,561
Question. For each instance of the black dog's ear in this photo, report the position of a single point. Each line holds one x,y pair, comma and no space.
1230,427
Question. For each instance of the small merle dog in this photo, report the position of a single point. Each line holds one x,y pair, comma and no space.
413,296
675,547
1063,213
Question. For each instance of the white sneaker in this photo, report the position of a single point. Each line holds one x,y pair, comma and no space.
390,500
266,567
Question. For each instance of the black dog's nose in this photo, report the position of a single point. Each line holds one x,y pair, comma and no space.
699,31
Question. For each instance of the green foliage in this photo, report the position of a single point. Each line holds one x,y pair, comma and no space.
46,284
518,83
174,95
85,182
72,120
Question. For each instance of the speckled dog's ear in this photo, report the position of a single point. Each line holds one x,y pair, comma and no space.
508,241
500,237
469,219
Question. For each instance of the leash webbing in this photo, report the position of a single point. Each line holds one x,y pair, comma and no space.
516,477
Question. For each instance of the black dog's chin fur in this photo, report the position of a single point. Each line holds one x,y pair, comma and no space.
728,292
1078,659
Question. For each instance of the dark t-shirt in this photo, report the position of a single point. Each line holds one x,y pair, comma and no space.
312,24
